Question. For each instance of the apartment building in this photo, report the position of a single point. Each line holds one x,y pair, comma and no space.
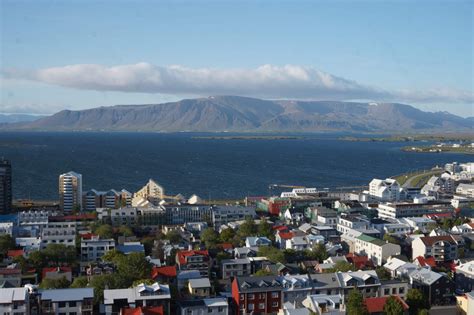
194,260
59,233
384,189
210,306
111,199
375,249
441,248
93,249
351,222
225,214
14,301
143,295
436,288
410,209
366,281
257,294
67,301
5,185
235,268
70,191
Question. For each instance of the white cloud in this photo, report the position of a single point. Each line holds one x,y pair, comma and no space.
267,81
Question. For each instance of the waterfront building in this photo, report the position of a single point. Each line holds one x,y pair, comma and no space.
384,189
412,209
110,199
5,186
70,191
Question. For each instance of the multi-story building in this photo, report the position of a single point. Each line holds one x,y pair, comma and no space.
211,306
257,294
225,214
67,301
59,233
418,223
348,222
70,191
5,185
14,301
194,260
6,228
410,209
179,214
436,288
385,189
375,249
142,295
442,248
110,199
465,190
366,281
93,249
236,268
464,276
152,192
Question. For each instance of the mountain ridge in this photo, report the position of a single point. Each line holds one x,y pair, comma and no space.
241,114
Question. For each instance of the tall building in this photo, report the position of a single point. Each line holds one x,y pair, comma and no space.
70,191
5,185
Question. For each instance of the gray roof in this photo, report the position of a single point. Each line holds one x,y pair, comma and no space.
325,280
200,283
8,295
425,276
63,295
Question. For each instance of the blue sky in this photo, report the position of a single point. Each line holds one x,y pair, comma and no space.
417,52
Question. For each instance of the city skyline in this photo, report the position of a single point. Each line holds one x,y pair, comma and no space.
62,55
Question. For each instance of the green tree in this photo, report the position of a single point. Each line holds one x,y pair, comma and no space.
37,260
382,273
49,283
113,256
227,235
59,253
391,239
273,254
148,243
79,282
393,307
104,231
125,231
222,256
342,266
210,238
173,236
319,252
262,272
22,262
355,303
248,228
140,281
101,283
6,243
132,267
423,312
265,229
415,301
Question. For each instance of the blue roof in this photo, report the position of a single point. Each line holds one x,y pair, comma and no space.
131,248
62,295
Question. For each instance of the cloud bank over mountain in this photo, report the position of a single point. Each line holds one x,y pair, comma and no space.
267,81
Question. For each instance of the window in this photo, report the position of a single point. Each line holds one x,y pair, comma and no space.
386,292
72,304
251,296
274,304
394,290
401,290
274,295
209,310
261,306
62,304
250,307
242,297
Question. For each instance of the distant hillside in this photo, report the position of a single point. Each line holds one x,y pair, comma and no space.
14,118
234,113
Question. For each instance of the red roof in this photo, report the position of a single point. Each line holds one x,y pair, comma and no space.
15,252
439,215
9,271
74,217
55,269
225,245
156,310
426,261
88,236
182,254
286,236
359,262
280,228
375,305
166,271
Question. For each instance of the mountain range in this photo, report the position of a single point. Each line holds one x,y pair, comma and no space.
240,114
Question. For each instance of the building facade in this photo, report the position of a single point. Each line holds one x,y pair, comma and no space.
5,185
70,191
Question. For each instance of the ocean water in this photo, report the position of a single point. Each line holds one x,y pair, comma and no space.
210,168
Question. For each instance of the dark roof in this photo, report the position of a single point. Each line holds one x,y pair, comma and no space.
258,284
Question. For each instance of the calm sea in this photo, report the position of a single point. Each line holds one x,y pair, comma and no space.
210,168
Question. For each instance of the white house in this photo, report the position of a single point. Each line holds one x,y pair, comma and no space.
376,249
385,189
93,249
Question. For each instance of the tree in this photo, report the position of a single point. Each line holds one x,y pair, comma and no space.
272,253
6,243
382,273
262,272
79,282
423,312
59,253
132,267
144,281
227,235
391,239
113,256
248,228
355,303
148,243
415,301
125,231
265,229
393,307
222,256
49,283
319,252
22,262
101,283
173,236
104,231
210,238
342,266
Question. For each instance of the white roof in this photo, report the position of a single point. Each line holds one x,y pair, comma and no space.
394,263
63,295
200,283
8,295
467,267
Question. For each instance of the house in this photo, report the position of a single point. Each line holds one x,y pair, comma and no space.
399,268
67,301
59,233
393,287
464,277
298,243
257,241
199,287
244,252
418,223
142,295
150,310
282,237
225,214
424,262
184,276
329,233
293,309
442,248
349,238
436,288
375,305
325,283
375,249
346,223
385,189
321,304
11,276
359,262
93,249
235,268
57,273
14,301
211,306
463,229
465,190
194,260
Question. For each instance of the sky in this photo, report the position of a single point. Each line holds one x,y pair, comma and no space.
81,54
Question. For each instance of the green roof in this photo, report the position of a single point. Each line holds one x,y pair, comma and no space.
370,239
